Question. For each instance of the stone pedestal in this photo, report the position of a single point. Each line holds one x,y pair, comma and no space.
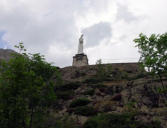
80,60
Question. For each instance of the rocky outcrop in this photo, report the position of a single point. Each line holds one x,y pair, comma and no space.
5,54
124,89
117,88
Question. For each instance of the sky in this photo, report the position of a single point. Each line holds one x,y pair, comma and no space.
53,27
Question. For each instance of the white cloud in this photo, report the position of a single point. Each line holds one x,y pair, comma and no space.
52,27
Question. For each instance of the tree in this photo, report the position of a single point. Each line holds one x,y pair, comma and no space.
101,73
153,52
25,93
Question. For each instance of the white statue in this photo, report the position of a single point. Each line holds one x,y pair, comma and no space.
80,46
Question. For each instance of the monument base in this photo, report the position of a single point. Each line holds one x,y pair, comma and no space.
80,60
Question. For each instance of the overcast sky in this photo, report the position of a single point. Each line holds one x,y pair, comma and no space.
53,27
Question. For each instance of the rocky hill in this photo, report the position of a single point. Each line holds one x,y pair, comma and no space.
5,54
85,94
112,88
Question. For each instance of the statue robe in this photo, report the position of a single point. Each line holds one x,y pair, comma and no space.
80,46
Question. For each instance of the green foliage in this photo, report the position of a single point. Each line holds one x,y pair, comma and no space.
92,80
109,69
161,90
140,75
68,86
69,123
51,121
117,121
85,111
130,107
66,91
119,74
90,92
101,72
58,76
24,94
79,102
65,95
124,75
153,51
41,67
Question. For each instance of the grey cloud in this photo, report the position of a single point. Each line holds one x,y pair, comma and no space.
124,14
55,24
44,24
96,33
38,32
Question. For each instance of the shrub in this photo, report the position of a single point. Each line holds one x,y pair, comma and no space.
58,122
89,92
124,75
91,124
138,76
79,74
79,102
92,80
117,121
68,86
65,95
99,86
85,111
129,71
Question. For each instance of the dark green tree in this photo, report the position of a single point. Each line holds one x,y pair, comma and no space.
153,52
25,93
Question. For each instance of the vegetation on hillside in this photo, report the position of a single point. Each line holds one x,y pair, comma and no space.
153,52
26,94
153,57
33,93
125,120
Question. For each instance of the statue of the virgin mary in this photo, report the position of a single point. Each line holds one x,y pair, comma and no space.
80,46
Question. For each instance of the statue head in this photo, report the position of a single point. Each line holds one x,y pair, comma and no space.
82,36
81,39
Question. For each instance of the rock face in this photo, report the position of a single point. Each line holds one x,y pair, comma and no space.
80,60
5,54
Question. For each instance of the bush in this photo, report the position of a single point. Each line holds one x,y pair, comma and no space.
65,95
92,80
90,124
60,122
79,102
89,92
138,76
68,86
117,121
79,74
85,111
99,86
